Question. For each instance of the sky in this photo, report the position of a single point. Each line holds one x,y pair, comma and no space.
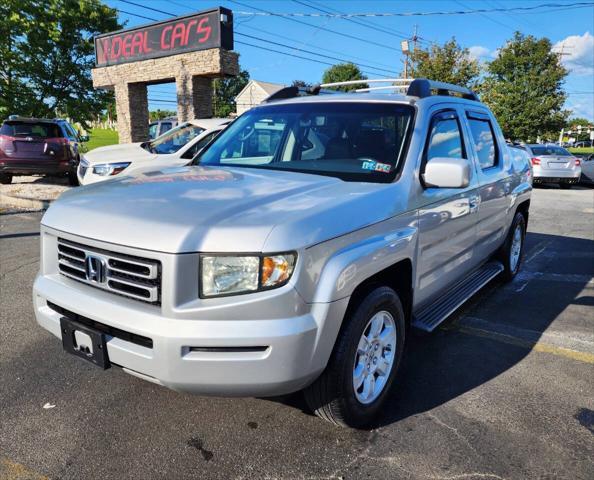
374,42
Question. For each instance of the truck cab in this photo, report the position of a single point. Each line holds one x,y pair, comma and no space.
298,249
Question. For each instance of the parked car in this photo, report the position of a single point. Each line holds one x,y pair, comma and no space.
587,169
159,127
554,164
286,259
520,156
174,148
38,146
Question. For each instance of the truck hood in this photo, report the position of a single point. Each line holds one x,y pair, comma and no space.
126,152
217,209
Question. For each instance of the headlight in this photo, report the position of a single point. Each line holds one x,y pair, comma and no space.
234,274
107,169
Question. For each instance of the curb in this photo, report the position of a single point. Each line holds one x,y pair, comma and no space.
20,202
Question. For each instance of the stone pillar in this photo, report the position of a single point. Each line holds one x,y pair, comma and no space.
194,97
132,109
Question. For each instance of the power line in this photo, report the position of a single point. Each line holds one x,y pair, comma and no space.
489,18
268,13
310,52
416,14
265,32
356,22
378,69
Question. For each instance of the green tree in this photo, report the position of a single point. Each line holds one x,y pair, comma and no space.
446,63
161,114
523,87
225,91
574,122
301,84
343,72
46,56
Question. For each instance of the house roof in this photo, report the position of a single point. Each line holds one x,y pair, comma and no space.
267,87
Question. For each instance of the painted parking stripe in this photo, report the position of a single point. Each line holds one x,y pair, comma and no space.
579,356
10,470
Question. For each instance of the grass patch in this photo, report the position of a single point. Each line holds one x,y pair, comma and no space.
101,137
582,150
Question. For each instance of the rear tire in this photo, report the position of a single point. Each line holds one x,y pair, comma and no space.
365,360
73,178
512,252
565,186
5,178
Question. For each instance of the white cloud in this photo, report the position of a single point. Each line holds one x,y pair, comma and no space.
581,108
478,51
578,53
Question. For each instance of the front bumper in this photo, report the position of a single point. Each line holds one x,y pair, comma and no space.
226,362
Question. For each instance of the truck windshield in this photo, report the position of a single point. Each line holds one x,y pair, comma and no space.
174,139
353,141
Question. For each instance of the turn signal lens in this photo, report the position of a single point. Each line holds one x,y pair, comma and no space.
277,269
577,162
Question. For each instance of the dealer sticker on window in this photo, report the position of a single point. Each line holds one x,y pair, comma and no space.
376,166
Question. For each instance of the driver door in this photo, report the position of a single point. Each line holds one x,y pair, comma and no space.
447,216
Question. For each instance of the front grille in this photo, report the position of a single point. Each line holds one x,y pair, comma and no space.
127,275
111,331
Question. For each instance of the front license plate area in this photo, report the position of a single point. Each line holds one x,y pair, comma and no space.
84,342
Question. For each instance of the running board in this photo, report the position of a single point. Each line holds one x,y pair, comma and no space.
429,317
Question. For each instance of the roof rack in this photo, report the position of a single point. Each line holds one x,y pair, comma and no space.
417,87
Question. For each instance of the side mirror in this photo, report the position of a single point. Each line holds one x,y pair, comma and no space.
84,138
444,172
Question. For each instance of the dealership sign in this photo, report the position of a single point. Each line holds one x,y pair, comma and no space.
199,31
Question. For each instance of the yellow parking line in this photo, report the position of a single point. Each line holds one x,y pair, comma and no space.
584,357
10,470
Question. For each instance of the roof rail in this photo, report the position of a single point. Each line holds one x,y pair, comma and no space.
417,87
421,87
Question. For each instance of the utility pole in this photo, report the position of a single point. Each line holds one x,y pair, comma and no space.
408,50
415,38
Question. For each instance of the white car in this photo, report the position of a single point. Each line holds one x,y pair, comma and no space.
174,148
554,164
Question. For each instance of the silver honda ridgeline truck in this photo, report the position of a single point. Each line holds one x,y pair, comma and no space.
296,252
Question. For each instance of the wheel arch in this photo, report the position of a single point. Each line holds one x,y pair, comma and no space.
398,276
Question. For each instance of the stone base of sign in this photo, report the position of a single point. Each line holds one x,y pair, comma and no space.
192,72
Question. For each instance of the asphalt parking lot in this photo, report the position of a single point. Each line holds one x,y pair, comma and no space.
505,389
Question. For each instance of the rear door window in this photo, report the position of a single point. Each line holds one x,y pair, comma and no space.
483,140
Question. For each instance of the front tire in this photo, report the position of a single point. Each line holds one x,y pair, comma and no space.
512,252
5,178
364,362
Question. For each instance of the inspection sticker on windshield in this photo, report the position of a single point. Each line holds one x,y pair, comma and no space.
376,166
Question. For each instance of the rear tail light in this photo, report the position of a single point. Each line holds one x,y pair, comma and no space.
535,161
577,162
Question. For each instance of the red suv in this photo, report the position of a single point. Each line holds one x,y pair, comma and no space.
34,146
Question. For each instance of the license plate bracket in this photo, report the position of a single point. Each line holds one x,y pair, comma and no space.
84,342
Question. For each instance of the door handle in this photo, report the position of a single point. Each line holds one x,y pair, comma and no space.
506,188
473,203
